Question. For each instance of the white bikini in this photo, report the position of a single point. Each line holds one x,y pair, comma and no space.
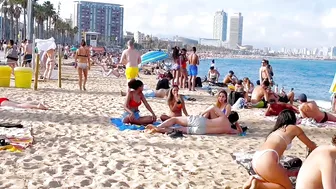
258,154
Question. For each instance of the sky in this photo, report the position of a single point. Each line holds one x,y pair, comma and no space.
267,23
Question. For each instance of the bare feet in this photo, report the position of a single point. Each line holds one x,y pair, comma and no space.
41,106
84,88
249,183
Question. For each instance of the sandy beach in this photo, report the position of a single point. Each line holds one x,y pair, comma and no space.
76,146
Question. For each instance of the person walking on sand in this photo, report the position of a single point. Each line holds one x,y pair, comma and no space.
82,60
28,53
319,169
50,64
131,58
193,70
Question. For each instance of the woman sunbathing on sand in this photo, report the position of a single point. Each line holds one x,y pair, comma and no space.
319,169
196,124
176,104
222,104
133,101
5,102
265,162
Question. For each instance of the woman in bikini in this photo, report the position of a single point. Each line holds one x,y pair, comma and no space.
49,64
5,102
134,98
176,104
82,59
222,104
265,162
196,124
176,66
183,62
248,85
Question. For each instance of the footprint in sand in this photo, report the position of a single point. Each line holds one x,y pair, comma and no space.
38,158
85,182
54,184
108,172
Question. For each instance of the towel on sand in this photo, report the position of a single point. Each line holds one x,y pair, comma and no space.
123,126
312,123
245,158
19,138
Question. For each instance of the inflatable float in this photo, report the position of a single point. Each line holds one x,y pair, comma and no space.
333,86
153,56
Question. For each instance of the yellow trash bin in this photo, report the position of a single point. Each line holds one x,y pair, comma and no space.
5,74
23,77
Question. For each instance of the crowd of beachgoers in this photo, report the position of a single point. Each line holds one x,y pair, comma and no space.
233,94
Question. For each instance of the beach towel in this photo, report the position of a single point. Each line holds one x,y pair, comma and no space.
244,159
123,126
312,123
18,138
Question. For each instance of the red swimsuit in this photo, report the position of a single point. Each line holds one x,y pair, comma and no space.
3,99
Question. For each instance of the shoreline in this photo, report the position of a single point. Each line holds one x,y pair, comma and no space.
77,146
265,57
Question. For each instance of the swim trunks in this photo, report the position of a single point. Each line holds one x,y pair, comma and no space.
3,100
325,118
131,72
284,99
149,93
193,71
196,125
261,104
126,114
27,58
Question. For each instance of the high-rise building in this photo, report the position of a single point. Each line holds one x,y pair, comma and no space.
236,30
104,18
220,25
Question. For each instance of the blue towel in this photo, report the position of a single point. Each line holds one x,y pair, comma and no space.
123,126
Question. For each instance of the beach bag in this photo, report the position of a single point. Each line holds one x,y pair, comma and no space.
12,54
233,117
291,164
198,82
234,96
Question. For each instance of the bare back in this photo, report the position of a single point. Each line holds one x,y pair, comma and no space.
28,49
320,163
258,94
83,55
130,57
193,59
311,110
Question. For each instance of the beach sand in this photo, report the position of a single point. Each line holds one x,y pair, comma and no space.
76,146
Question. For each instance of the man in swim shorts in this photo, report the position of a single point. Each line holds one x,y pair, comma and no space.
311,110
193,70
28,51
230,78
260,95
131,58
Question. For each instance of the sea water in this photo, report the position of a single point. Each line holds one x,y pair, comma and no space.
312,77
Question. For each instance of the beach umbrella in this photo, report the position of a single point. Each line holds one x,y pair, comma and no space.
73,49
153,56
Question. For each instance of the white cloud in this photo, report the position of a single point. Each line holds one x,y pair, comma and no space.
328,20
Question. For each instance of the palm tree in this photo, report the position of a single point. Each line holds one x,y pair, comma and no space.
40,16
50,12
17,15
5,10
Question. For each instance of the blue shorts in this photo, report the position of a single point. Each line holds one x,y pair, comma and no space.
149,93
193,71
126,114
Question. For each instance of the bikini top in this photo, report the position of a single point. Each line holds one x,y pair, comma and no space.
213,75
133,103
224,110
289,146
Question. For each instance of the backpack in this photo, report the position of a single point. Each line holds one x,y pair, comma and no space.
12,53
234,96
